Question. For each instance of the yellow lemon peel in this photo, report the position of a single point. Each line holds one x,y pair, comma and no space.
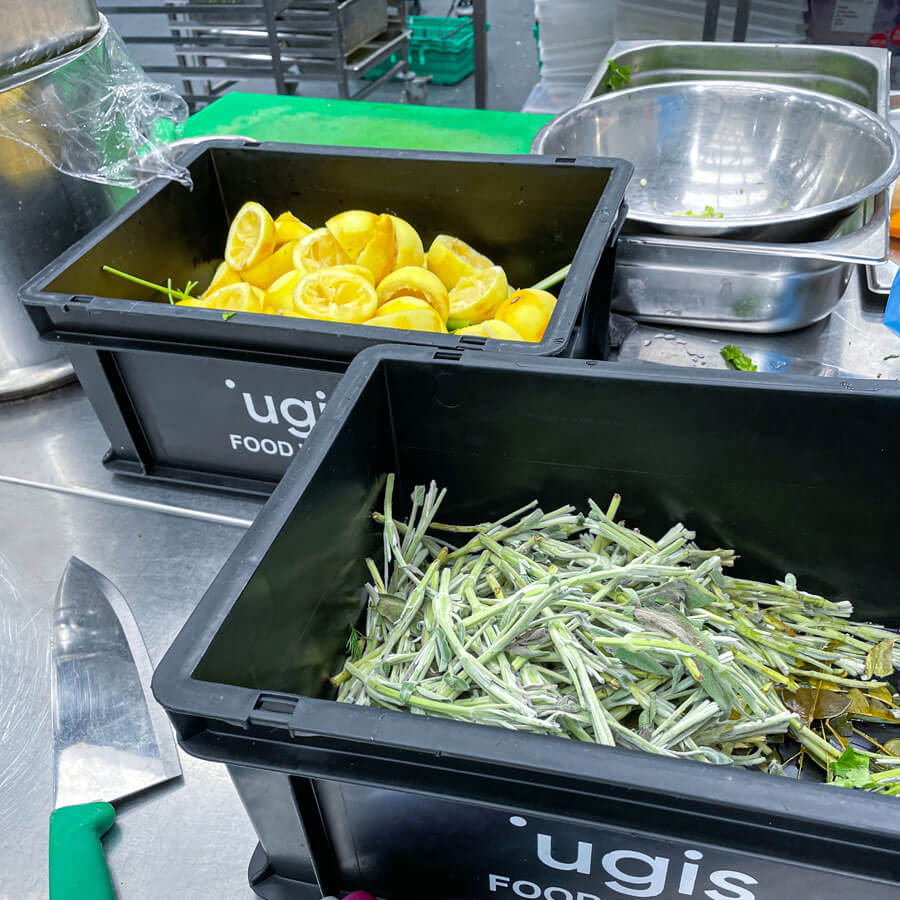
335,295
251,237
415,281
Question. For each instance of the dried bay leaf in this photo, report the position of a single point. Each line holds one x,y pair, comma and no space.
879,661
814,703
871,706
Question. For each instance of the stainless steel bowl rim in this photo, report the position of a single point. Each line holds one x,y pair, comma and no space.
32,73
701,225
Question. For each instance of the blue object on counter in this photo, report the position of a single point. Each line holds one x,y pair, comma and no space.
892,310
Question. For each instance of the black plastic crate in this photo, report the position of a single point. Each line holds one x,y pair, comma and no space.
798,474
186,396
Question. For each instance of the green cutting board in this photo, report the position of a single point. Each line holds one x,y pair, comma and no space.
353,123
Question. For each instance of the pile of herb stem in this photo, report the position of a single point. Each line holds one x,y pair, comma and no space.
578,626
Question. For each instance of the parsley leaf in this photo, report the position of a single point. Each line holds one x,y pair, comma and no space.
615,77
735,358
851,769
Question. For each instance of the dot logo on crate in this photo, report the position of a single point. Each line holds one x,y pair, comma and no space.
297,416
623,872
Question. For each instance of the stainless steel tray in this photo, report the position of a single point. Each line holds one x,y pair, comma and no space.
860,74
880,278
744,286
852,341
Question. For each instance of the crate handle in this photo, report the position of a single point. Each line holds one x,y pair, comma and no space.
273,710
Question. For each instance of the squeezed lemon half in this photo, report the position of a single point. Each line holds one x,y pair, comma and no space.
411,313
280,295
415,281
289,228
319,250
451,259
241,297
492,328
267,271
251,237
336,295
528,311
476,297
223,276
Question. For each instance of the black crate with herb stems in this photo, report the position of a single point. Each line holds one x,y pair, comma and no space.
798,474
192,395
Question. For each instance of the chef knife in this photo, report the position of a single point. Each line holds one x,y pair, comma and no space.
110,739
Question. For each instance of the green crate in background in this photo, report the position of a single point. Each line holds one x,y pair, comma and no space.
438,46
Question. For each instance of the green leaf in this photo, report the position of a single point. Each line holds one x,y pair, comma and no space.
672,592
648,714
640,660
716,688
735,358
669,620
455,682
696,597
442,654
407,689
227,315
717,578
851,769
644,720
390,607
879,660
615,77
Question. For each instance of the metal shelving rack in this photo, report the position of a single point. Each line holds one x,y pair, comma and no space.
741,20
219,43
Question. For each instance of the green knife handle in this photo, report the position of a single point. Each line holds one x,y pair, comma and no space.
78,869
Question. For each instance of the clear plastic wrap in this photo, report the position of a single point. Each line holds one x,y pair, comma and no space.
96,115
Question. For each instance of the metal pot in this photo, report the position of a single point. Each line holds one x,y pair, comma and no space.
763,161
42,213
34,32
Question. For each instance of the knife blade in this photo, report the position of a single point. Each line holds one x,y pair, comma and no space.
110,738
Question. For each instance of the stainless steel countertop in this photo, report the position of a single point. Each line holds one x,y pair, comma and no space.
161,546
